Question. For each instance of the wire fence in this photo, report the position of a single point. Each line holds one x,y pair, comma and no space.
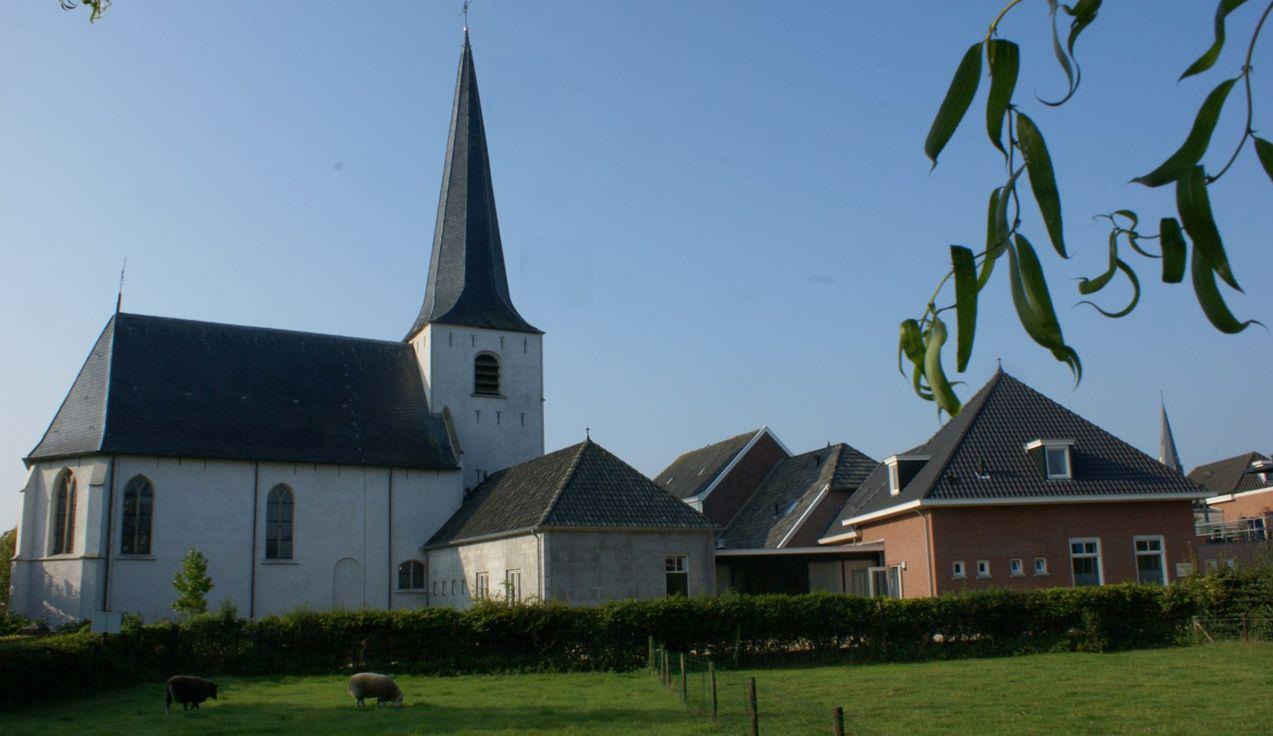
1254,626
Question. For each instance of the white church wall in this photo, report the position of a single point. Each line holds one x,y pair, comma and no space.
422,502
459,566
495,432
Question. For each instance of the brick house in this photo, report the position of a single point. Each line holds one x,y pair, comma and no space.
1018,492
1235,524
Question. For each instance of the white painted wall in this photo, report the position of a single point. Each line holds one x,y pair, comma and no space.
460,566
495,432
341,513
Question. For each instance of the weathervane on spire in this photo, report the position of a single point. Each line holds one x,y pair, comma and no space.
465,11
119,295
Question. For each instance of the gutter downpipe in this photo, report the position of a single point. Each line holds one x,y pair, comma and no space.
256,494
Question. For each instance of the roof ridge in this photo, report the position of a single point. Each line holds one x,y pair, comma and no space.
128,316
565,481
976,404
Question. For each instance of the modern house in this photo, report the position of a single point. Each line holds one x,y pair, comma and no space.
1237,518
1019,492
771,507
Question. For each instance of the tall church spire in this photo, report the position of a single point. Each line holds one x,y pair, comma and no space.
467,282
1167,454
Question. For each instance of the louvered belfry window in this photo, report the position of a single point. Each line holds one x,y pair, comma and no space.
139,503
486,375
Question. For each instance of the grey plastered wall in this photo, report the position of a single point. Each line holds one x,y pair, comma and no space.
588,567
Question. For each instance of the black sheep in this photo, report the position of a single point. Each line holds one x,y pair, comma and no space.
188,691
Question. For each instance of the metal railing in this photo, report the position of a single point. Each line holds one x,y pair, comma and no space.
1243,530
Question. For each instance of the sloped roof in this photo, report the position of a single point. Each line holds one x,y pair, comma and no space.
175,387
991,433
1231,475
468,284
694,471
790,490
583,486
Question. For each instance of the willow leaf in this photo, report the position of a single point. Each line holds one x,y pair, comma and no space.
1264,151
1195,213
917,383
909,344
1173,250
1195,145
1038,164
958,97
943,393
1083,12
1034,304
1209,57
1005,62
1204,286
1062,58
1093,285
1131,276
996,234
965,270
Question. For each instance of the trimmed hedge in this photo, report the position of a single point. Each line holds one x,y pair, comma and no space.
548,637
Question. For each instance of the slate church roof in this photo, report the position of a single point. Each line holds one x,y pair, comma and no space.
790,491
468,284
694,471
1231,475
175,387
988,439
579,487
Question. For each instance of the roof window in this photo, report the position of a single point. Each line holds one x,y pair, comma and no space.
1052,458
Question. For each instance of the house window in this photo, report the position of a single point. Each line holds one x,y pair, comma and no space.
1085,561
1040,566
1058,461
279,509
677,571
513,585
1151,560
482,585
1015,568
486,375
957,570
983,568
64,514
139,503
885,582
894,480
411,575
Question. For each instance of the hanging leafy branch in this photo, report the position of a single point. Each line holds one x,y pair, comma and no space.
97,7
1025,150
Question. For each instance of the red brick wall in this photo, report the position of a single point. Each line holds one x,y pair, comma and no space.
906,541
1244,507
736,487
1000,533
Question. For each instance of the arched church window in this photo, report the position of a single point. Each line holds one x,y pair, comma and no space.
139,504
64,514
411,575
279,513
486,375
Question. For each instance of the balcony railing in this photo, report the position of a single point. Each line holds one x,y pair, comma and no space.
1257,529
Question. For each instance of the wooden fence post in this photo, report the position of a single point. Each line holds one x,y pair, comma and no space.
649,664
711,675
751,706
839,721
685,690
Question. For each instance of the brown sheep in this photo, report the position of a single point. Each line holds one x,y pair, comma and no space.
372,685
189,691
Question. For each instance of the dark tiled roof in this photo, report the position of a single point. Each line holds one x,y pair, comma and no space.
992,431
1231,475
467,281
789,491
691,473
582,486
174,387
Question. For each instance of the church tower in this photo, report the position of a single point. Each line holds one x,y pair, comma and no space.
481,361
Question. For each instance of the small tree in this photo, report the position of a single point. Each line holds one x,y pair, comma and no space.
7,542
192,584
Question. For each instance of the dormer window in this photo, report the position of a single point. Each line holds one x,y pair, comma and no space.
894,481
901,468
1053,457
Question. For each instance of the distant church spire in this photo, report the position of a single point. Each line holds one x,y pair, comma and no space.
1167,454
467,282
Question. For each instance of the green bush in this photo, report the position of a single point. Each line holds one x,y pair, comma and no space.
493,637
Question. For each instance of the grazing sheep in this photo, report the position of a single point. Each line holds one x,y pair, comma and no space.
189,691
371,685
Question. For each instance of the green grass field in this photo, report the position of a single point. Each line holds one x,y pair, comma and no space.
1225,688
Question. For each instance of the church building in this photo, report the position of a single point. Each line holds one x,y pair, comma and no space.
313,469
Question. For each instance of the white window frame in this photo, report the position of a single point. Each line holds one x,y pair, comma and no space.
1047,445
1100,559
482,584
1016,567
1161,553
983,569
424,579
513,591
870,579
676,563
1041,570
894,478
958,570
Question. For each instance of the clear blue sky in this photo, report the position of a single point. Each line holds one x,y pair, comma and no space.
718,212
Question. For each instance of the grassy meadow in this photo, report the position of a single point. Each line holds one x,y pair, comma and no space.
1222,688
